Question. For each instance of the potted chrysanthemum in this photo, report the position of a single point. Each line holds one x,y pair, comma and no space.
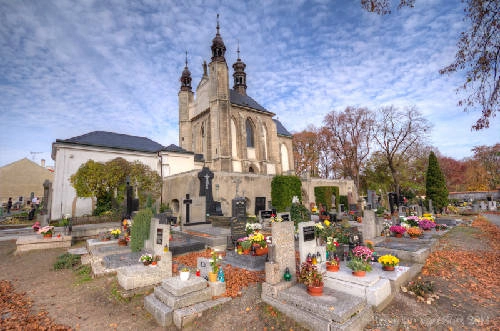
388,262
360,261
398,230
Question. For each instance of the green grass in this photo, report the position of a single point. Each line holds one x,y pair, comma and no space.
67,261
83,274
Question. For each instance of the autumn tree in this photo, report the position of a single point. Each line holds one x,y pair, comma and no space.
477,176
478,55
398,134
351,133
305,152
454,173
489,158
435,184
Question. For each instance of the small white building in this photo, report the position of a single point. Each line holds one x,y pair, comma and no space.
100,146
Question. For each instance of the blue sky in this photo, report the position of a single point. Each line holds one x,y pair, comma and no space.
72,67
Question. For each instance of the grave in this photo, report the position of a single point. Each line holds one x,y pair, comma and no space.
37,241
180,302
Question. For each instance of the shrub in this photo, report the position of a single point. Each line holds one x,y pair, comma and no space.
140,229
323,195
67,261
283,189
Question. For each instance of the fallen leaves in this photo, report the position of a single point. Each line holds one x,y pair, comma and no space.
16,312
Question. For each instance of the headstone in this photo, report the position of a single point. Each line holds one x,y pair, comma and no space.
203,264
159,235
265,214
239,208
283,252
187,202
238,230
492,205
431,208
307,241
47,202
260,204
392,196
482,205
284,216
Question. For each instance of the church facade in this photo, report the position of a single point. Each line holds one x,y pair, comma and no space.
230,129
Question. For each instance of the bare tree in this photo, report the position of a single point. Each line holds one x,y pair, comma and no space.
478,55
397,133
351,132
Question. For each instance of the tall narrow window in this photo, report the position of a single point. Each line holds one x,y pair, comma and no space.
250,138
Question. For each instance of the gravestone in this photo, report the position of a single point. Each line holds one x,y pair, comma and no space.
239,208
187,202
482,205
205,176
284,216
203,264
159,235
283,253
307,240
492,205
392,197
260,204
238,230
265,214
47,202
431,208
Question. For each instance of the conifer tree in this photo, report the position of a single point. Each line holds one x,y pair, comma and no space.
435,184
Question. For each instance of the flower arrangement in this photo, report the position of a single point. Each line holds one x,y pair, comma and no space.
36,226
397,229
428,217
441,226
46,230
331,245
146,258
309,275
359,219
388,260
252,227
361,257
214,262
275,219
116,233
414,232
387,224
425,224
318,229
412,220
258,238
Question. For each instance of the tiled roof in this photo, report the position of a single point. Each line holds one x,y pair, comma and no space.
281,130
115,140
246,101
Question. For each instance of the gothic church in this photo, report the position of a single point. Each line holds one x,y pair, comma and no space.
229,128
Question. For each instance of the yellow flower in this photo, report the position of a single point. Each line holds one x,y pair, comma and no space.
388,260
327,222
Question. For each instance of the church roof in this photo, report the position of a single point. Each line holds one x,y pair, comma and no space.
120,141
280,129
246,101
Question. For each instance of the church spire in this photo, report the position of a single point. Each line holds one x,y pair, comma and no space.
218,47
239,75
186,78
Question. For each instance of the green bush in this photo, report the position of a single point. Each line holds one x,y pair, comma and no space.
344,201
299,213
283,189
323,195
140,229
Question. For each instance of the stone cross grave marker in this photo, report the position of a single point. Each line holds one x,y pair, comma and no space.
187,202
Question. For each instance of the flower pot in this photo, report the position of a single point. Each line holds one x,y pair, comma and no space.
246,251
122,242
398,235
388,268
184,275
332,268
146,263
315,290
261,251
359,273
212,276
47,235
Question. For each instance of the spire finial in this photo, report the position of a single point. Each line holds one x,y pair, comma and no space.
238,49
186,59
217,23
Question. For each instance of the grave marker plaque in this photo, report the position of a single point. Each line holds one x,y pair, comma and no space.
265,213
308,232
238,229
159,236
285,217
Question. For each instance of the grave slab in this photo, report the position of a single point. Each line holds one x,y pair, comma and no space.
188,299
36,242
249,262
177,287
136,276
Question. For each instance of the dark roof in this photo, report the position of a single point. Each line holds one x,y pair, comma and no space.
246,101
175,149
119,141
280,129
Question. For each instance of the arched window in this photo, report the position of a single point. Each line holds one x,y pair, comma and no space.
250,169
250,138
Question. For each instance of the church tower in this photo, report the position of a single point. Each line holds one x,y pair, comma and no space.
239,75
219,147
185,100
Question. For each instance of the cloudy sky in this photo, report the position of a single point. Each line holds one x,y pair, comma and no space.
72,67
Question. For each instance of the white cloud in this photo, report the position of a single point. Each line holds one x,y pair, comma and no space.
73,67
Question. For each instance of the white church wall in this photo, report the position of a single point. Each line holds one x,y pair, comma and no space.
67,161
